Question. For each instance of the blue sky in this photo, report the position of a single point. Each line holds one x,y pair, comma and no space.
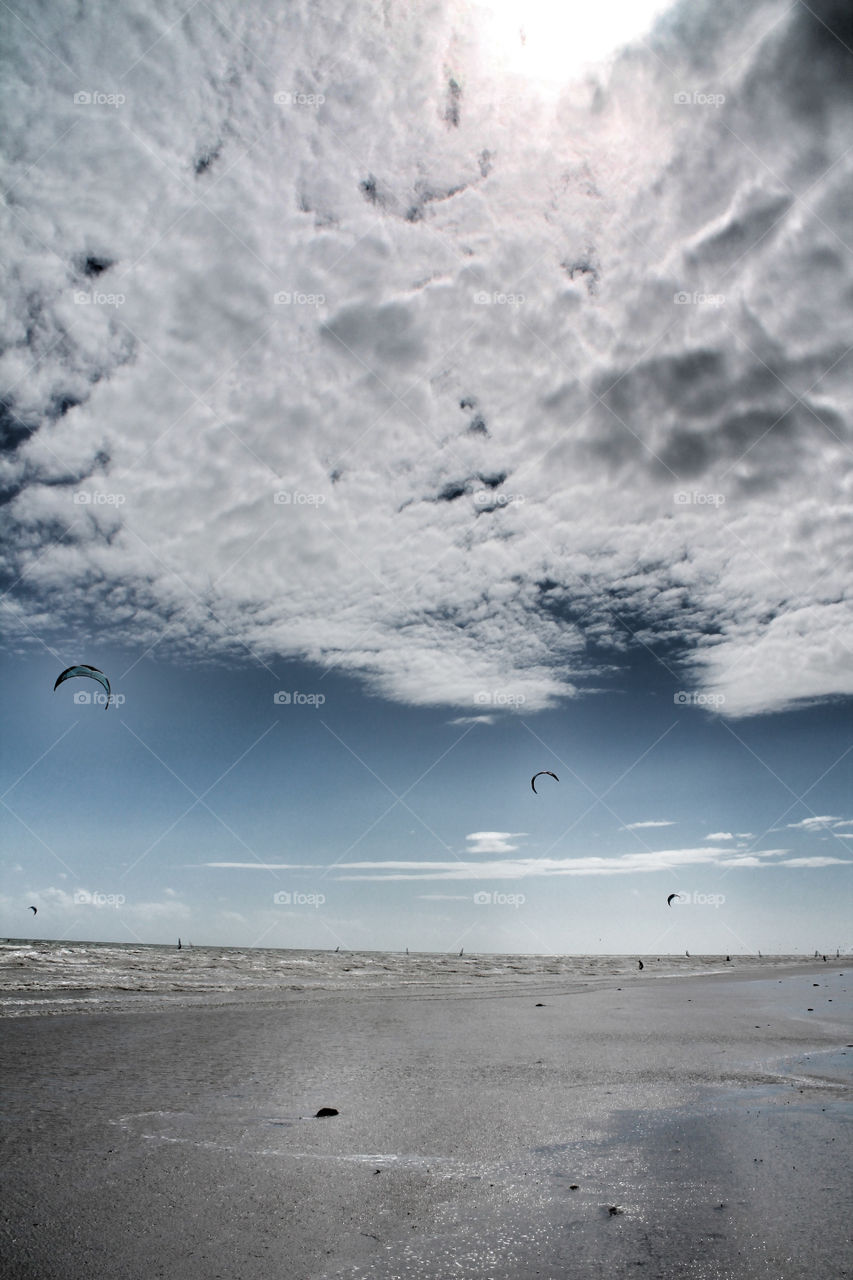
397,817
360,353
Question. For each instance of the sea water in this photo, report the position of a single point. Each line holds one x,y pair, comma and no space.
44,977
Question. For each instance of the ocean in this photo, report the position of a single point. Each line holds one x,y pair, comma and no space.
47,977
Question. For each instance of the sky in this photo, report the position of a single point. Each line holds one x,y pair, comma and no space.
400,400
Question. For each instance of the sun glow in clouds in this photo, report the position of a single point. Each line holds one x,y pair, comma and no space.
549,42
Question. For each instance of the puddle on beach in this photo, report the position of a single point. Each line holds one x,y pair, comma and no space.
699,1194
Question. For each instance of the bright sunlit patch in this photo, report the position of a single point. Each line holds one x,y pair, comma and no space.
551,41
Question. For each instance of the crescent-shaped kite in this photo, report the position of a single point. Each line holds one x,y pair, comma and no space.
670,898
83,669
34,910
547,773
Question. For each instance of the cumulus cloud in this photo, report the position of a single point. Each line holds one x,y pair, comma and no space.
720,835
451,389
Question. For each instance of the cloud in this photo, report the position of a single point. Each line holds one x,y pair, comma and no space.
519,868
258,866
445,407
813,824
720,835
638,826
816,862
493,841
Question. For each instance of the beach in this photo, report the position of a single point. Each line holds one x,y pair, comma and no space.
658,1126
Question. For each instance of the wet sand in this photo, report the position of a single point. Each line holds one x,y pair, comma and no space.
712,1113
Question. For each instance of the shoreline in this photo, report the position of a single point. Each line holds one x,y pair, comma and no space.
61,998
714,1116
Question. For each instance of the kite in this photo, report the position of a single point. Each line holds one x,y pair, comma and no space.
670,898
34,910
547,773
84,670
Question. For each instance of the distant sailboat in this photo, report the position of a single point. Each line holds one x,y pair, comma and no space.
179,944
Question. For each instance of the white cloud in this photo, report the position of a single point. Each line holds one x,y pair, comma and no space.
812,824
473,488
720,835
493,841
816,862
638,826
518,868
